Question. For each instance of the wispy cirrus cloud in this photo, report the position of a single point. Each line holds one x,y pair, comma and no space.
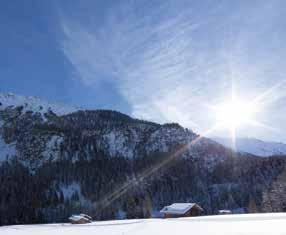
147,55
170,59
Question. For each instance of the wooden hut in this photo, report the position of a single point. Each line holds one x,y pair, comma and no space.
80,219
181,210
224,212
86,216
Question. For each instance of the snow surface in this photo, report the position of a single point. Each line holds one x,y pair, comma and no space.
258,224
35,104
254,146
6,150
166,137
76,217
52,150
178,208
71,189
117,143
79,217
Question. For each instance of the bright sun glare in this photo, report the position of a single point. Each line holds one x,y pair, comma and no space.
234,113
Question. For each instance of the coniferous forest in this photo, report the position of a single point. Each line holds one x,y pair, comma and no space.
110,165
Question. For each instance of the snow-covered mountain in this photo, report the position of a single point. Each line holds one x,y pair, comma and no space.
32,103
254,146
114,133
56,161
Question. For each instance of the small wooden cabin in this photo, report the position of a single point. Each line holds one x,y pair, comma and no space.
80,219
86,216
181,210
224,212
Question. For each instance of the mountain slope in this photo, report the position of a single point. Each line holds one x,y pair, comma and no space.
254,146
110,165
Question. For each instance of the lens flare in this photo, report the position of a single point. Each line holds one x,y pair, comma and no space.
235,113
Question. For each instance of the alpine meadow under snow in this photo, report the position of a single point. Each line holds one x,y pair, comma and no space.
259,224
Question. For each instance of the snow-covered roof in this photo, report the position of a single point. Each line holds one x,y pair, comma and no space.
224,211
78,217
86,216
179,208
75,217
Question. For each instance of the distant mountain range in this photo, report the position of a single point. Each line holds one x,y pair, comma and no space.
254,146
57,160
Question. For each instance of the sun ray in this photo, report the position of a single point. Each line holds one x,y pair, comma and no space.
233,138
238,112
122,189
269,93
230,115
267,127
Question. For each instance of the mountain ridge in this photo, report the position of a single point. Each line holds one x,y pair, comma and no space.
110,165
33,103
254,146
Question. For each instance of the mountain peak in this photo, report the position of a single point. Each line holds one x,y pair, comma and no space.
33,103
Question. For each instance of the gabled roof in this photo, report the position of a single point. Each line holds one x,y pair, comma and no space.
224,211
78,217
86,216
179,208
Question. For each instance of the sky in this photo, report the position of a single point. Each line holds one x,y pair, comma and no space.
160,60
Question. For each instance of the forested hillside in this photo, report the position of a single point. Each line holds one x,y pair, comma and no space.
110,165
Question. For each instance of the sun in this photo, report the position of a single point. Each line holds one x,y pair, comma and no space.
235,113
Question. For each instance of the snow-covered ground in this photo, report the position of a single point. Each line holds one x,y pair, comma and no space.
258,224
6,150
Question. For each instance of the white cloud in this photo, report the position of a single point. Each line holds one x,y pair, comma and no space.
164,62
147,58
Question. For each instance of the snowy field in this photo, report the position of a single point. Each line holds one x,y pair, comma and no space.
259,224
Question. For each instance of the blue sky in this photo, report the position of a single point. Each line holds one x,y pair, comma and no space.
161,60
